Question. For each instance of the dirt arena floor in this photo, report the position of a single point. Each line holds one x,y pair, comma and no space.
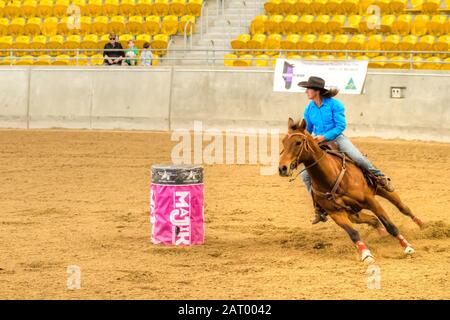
82,198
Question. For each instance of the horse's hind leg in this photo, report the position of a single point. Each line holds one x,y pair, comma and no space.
342,219
376,208
368,219
394,198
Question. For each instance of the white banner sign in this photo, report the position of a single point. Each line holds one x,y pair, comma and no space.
347,76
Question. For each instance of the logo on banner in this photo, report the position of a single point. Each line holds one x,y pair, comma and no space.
180,217
350,85
288,74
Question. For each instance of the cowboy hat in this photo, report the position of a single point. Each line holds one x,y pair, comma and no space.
315,83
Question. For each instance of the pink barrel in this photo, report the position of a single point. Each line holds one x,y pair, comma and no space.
176,205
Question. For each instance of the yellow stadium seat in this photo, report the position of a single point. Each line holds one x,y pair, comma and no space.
78,7
5,43
240,43
320,25
244,61
160,7
60,8
307,42
127,7
186,22
288,25
323,42
442,43
72,42
273,42
273,25
2,8
141,39
425,43
177,7
328,57
402,25
100,25
353,23
417,62
318,6
50,26
446,64
333,7
152,25
273,61
378,62
357,42
97,60
397,62
408,43
103,40
124,38
67,25
387,22
228,59
340,42
144,7
80,60
420,25
4,22
350,6
290,43
432,63
55,42
397,6
61,60
336,24
437,24
43,60
272,7
85,25
28,8
117,25
194,7
363,6
21,42
370,24
16,26
7,61
135,24
383,5
303,25
12,8
169,25
38,43
45,8
26,60
431,6
287,7
262,60
256,43
373,43
390,42
257,24
159,42
89,43
311,57
94,8
111,8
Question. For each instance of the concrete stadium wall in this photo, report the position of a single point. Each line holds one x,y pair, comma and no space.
167,98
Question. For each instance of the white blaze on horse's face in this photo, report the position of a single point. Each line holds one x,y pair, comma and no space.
291,156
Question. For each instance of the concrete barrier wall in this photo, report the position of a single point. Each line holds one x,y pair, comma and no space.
166,98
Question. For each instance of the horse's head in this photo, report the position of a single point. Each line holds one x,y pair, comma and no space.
296,147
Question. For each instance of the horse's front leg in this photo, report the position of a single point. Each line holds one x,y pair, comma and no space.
342,219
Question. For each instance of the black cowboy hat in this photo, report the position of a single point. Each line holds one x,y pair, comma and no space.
315,83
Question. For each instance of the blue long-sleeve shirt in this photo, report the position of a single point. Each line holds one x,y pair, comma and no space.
328,120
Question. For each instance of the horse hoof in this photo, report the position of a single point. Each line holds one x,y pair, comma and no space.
367,257
409,251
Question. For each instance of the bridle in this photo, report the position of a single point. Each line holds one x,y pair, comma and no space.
305,146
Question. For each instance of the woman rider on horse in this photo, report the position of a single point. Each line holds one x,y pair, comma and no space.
325,120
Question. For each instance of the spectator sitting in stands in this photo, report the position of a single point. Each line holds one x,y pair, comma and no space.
114,57
131,55
146,55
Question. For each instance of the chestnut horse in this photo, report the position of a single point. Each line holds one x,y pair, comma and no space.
340,188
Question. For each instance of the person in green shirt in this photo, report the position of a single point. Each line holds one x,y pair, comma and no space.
131,54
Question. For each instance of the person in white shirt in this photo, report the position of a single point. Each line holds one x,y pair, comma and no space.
146,55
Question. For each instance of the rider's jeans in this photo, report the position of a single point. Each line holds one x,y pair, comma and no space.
346,146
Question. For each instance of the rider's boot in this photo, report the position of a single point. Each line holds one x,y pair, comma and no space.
385,183
319,214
